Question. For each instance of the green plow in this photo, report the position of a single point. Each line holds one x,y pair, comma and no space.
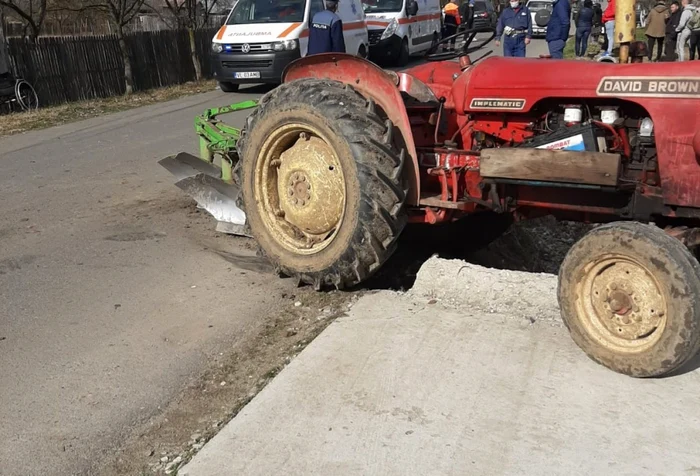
209,178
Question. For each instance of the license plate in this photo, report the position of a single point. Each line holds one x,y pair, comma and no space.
247,75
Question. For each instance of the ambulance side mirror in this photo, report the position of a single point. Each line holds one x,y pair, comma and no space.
412,8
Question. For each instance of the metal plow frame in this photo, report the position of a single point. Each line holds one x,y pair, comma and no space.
212,186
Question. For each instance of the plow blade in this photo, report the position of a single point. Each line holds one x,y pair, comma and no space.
201,181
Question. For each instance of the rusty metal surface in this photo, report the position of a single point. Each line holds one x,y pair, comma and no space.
372,82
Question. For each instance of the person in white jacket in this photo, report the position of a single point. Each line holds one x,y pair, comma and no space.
682,28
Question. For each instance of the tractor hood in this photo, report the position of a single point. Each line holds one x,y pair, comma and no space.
517,84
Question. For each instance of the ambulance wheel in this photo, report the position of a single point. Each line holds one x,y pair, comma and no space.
630,296
228,87
322,183
404,55
362,52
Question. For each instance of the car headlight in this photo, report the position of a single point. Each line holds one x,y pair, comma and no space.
285,45
390,30
217,47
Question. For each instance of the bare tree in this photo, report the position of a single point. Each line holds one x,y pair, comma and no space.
119,13
192,15
31,12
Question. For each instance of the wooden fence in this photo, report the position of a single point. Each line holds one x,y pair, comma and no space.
73,68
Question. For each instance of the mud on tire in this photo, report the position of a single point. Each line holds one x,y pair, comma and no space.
371,161
630,297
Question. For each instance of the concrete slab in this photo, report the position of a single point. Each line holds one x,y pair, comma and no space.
404,387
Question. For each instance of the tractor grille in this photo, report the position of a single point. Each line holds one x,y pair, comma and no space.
375,36
247,64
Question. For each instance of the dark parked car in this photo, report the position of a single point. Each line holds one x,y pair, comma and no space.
484,14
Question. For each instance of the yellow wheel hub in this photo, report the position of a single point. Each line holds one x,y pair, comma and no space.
300,188
621,304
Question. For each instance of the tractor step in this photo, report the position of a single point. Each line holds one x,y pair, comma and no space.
201,181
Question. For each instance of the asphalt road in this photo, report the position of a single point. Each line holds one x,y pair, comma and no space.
112,293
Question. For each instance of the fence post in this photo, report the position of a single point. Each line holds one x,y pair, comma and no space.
4,56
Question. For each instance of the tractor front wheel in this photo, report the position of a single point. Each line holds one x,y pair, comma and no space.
630,295
321,181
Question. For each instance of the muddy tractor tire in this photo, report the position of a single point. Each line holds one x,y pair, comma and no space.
322,183
630,296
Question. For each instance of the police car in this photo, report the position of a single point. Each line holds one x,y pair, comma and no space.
541,12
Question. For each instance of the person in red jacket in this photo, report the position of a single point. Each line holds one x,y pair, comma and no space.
609,22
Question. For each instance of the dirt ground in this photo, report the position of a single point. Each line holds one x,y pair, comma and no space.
170,439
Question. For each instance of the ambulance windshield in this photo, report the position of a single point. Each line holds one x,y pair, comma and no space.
382,6
266,11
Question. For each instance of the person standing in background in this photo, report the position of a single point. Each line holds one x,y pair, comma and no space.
656,26
694,27
326,32
609,22
516,24
683,29
558,28
584,23
452,22
671,34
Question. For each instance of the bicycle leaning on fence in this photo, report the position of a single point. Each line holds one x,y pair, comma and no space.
17,94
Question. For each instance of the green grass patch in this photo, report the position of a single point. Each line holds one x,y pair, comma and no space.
594,48
17,123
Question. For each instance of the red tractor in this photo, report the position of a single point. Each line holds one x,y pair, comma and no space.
335,162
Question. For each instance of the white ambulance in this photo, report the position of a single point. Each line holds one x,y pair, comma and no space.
399,29
261,37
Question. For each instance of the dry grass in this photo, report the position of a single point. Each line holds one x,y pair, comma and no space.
55,115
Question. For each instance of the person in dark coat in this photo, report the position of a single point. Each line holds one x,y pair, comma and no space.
516,24
584,24
326,32
671,33
558,28
656,28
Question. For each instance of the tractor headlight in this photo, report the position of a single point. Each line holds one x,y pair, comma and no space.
390,30
285,45
646,128
217,47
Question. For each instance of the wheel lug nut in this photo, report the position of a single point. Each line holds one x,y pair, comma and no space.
613,286
303,178
304,136
279,213
626,320
660,313
308,186
636,308
275,163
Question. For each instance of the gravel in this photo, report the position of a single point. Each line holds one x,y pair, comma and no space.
456,283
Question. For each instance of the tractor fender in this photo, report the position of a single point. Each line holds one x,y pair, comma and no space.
373,83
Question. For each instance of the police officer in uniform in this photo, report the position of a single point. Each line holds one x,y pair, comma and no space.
516,24
326,32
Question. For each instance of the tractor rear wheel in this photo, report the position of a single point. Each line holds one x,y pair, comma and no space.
630,295
321,182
